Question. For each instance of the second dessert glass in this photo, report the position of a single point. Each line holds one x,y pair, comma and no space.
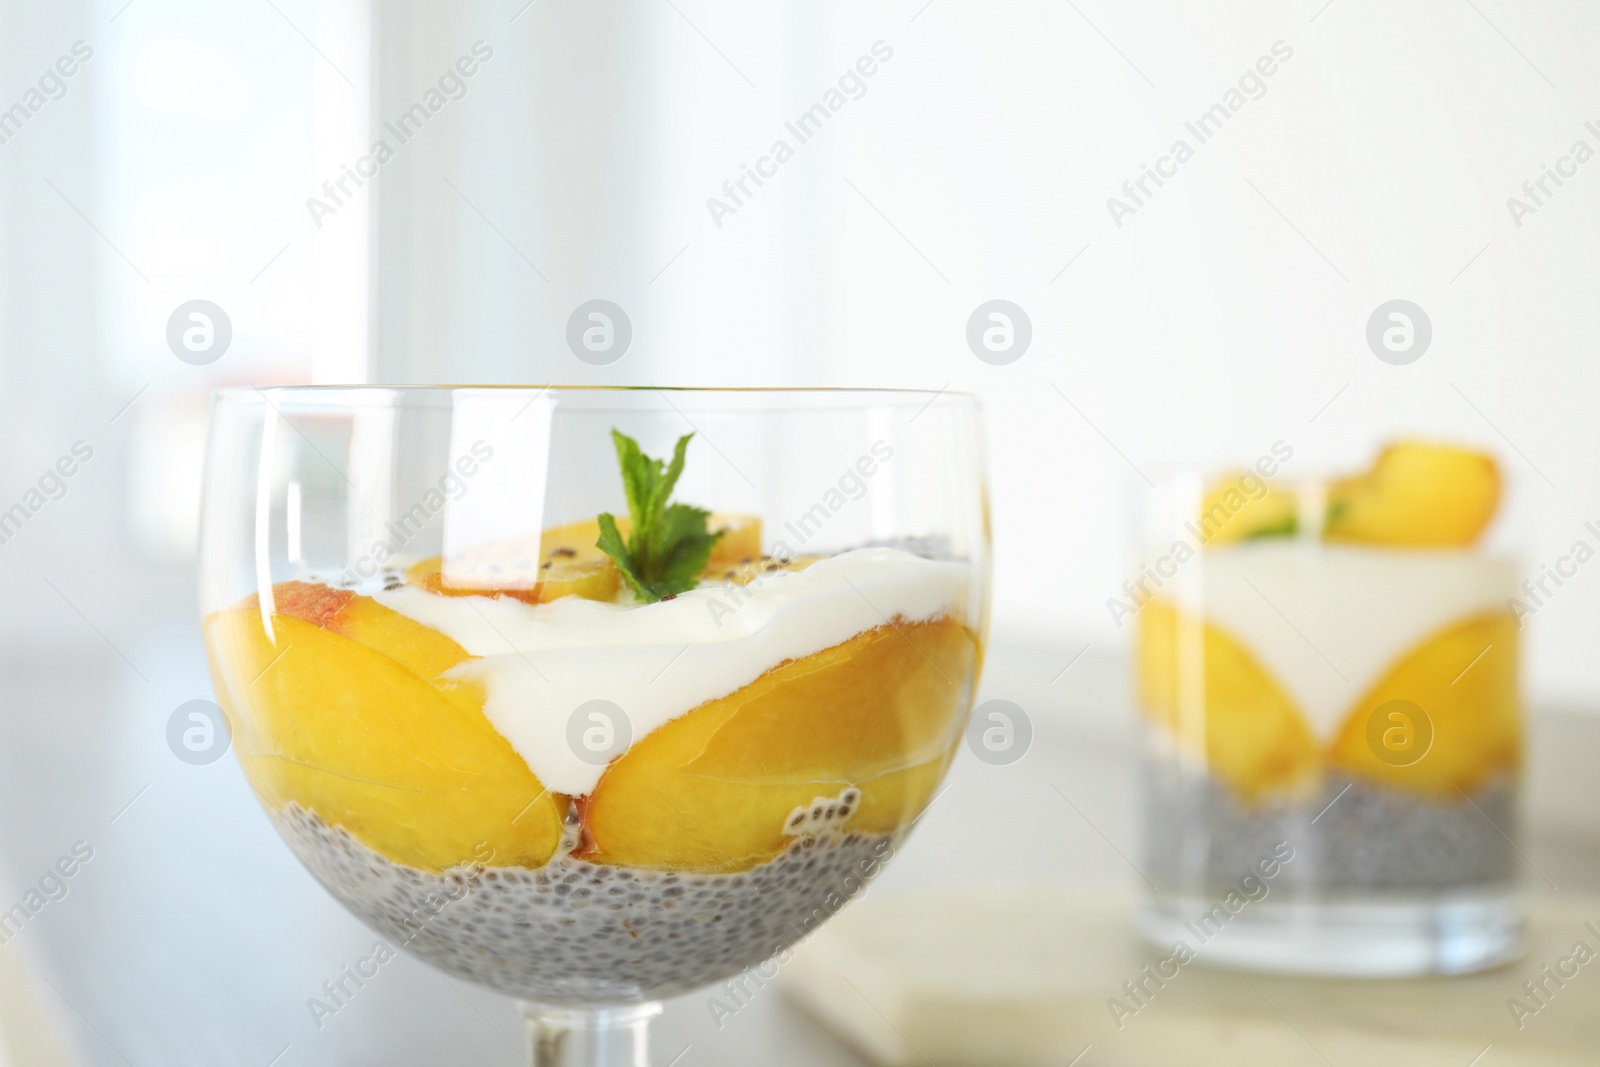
589,727
1328,670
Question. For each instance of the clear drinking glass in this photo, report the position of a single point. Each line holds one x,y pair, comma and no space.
1328,671
467,722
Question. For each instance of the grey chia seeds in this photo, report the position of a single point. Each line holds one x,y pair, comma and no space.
1365,838
579,932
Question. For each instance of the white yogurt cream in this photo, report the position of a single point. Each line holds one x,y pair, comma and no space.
539,663
1328,621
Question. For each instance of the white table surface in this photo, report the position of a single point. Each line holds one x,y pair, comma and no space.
194,937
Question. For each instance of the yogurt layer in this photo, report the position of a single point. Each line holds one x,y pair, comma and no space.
1328,621
539,663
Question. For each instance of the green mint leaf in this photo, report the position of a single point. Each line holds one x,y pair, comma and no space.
683,547
1289,527
612,544
667,481
637,475
668,545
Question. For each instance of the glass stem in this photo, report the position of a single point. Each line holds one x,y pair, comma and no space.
589,1037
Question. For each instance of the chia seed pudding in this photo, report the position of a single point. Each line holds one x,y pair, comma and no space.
1351,836
579,932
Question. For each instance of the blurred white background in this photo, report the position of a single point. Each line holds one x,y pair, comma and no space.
1228,312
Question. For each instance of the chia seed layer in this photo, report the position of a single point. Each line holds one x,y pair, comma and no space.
1199,837
578,932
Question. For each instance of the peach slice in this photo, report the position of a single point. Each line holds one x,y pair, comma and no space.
1416,495
342,711
1464,681
482,574
740,541
714,790
565,562
420,649
1222,706
759,569
1234,510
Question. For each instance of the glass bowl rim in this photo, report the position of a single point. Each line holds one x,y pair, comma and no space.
266,394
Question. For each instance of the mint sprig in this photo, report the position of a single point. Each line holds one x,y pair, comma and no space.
668,545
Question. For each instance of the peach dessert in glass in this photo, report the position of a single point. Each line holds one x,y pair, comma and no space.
589,725
1328,673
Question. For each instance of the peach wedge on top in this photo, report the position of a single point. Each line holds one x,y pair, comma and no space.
1416,495
565,561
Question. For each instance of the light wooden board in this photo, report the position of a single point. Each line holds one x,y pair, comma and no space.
1017,978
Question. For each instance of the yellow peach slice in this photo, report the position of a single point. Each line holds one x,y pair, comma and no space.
759,569
740,541
576,540
563,562
566,562
1221,705
1463,680
714,789
1243,508
350,733
496,573
420,649
1416,495
898,798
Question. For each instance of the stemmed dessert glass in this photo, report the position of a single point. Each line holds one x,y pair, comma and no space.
594,696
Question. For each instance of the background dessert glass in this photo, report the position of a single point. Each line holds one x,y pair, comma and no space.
1333,729
587,802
